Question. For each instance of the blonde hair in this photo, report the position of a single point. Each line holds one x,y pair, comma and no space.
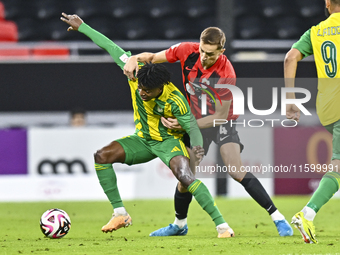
213,36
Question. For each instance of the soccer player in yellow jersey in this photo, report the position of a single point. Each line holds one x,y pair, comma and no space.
153,96
322,40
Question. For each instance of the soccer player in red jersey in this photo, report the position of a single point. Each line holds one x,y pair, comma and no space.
203,67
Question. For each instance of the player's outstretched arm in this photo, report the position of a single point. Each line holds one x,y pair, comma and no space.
290,65
116,52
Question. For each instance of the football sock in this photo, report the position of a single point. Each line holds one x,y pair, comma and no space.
182,201
308,213
108,181
205,200
277,216
180,223
329,184
257,192
120,211
222,228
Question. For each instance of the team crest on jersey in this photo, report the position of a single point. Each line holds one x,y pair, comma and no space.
159,109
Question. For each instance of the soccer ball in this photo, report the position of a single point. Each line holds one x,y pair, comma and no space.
55,223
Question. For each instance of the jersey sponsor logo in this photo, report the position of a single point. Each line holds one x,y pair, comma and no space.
61,166
124,58
175,149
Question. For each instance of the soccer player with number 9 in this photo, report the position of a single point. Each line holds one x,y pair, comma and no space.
323,41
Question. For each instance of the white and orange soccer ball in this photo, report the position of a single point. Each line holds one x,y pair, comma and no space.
55,223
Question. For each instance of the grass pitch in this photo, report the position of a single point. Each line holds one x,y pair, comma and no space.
255,232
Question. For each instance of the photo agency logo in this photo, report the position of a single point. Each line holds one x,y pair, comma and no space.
207,94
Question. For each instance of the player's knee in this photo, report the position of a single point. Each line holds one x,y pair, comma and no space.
100,157
185,178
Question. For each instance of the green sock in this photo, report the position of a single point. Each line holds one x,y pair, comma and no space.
205,200
108,181
329,184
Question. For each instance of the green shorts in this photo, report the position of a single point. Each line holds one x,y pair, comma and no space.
138,150
334,129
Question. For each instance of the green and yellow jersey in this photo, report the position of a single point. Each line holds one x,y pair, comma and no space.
147,114
323,40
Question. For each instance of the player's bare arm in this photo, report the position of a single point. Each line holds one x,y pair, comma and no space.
73,20
221,112
131,67
171,123
290,65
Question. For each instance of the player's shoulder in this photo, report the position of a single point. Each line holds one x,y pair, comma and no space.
186,46
173,93
225,67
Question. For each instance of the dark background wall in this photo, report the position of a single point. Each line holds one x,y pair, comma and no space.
103,87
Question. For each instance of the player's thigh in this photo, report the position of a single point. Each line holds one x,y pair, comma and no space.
228,141
230,149
137,150
170,148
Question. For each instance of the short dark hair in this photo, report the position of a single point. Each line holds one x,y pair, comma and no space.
153,75
77,110
213,36
336,2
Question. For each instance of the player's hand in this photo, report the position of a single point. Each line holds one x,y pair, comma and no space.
73,20
131,68
199,153
171,123
292,112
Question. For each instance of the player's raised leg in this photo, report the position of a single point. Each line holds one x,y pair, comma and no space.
180,168
104,158
230,153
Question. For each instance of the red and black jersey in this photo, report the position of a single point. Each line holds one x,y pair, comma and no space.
198,81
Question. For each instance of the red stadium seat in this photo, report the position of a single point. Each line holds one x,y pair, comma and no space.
47,52
8,31
2,11
15,53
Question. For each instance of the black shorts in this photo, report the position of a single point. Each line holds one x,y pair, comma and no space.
220,135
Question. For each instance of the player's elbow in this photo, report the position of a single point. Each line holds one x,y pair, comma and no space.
292,56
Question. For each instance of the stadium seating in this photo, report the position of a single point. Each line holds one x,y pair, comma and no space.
199,8
8,31
181,19
15,53
2,11
310,8
288,27
48,51
251,27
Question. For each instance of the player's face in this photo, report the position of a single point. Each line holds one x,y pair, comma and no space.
147,94
209,54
